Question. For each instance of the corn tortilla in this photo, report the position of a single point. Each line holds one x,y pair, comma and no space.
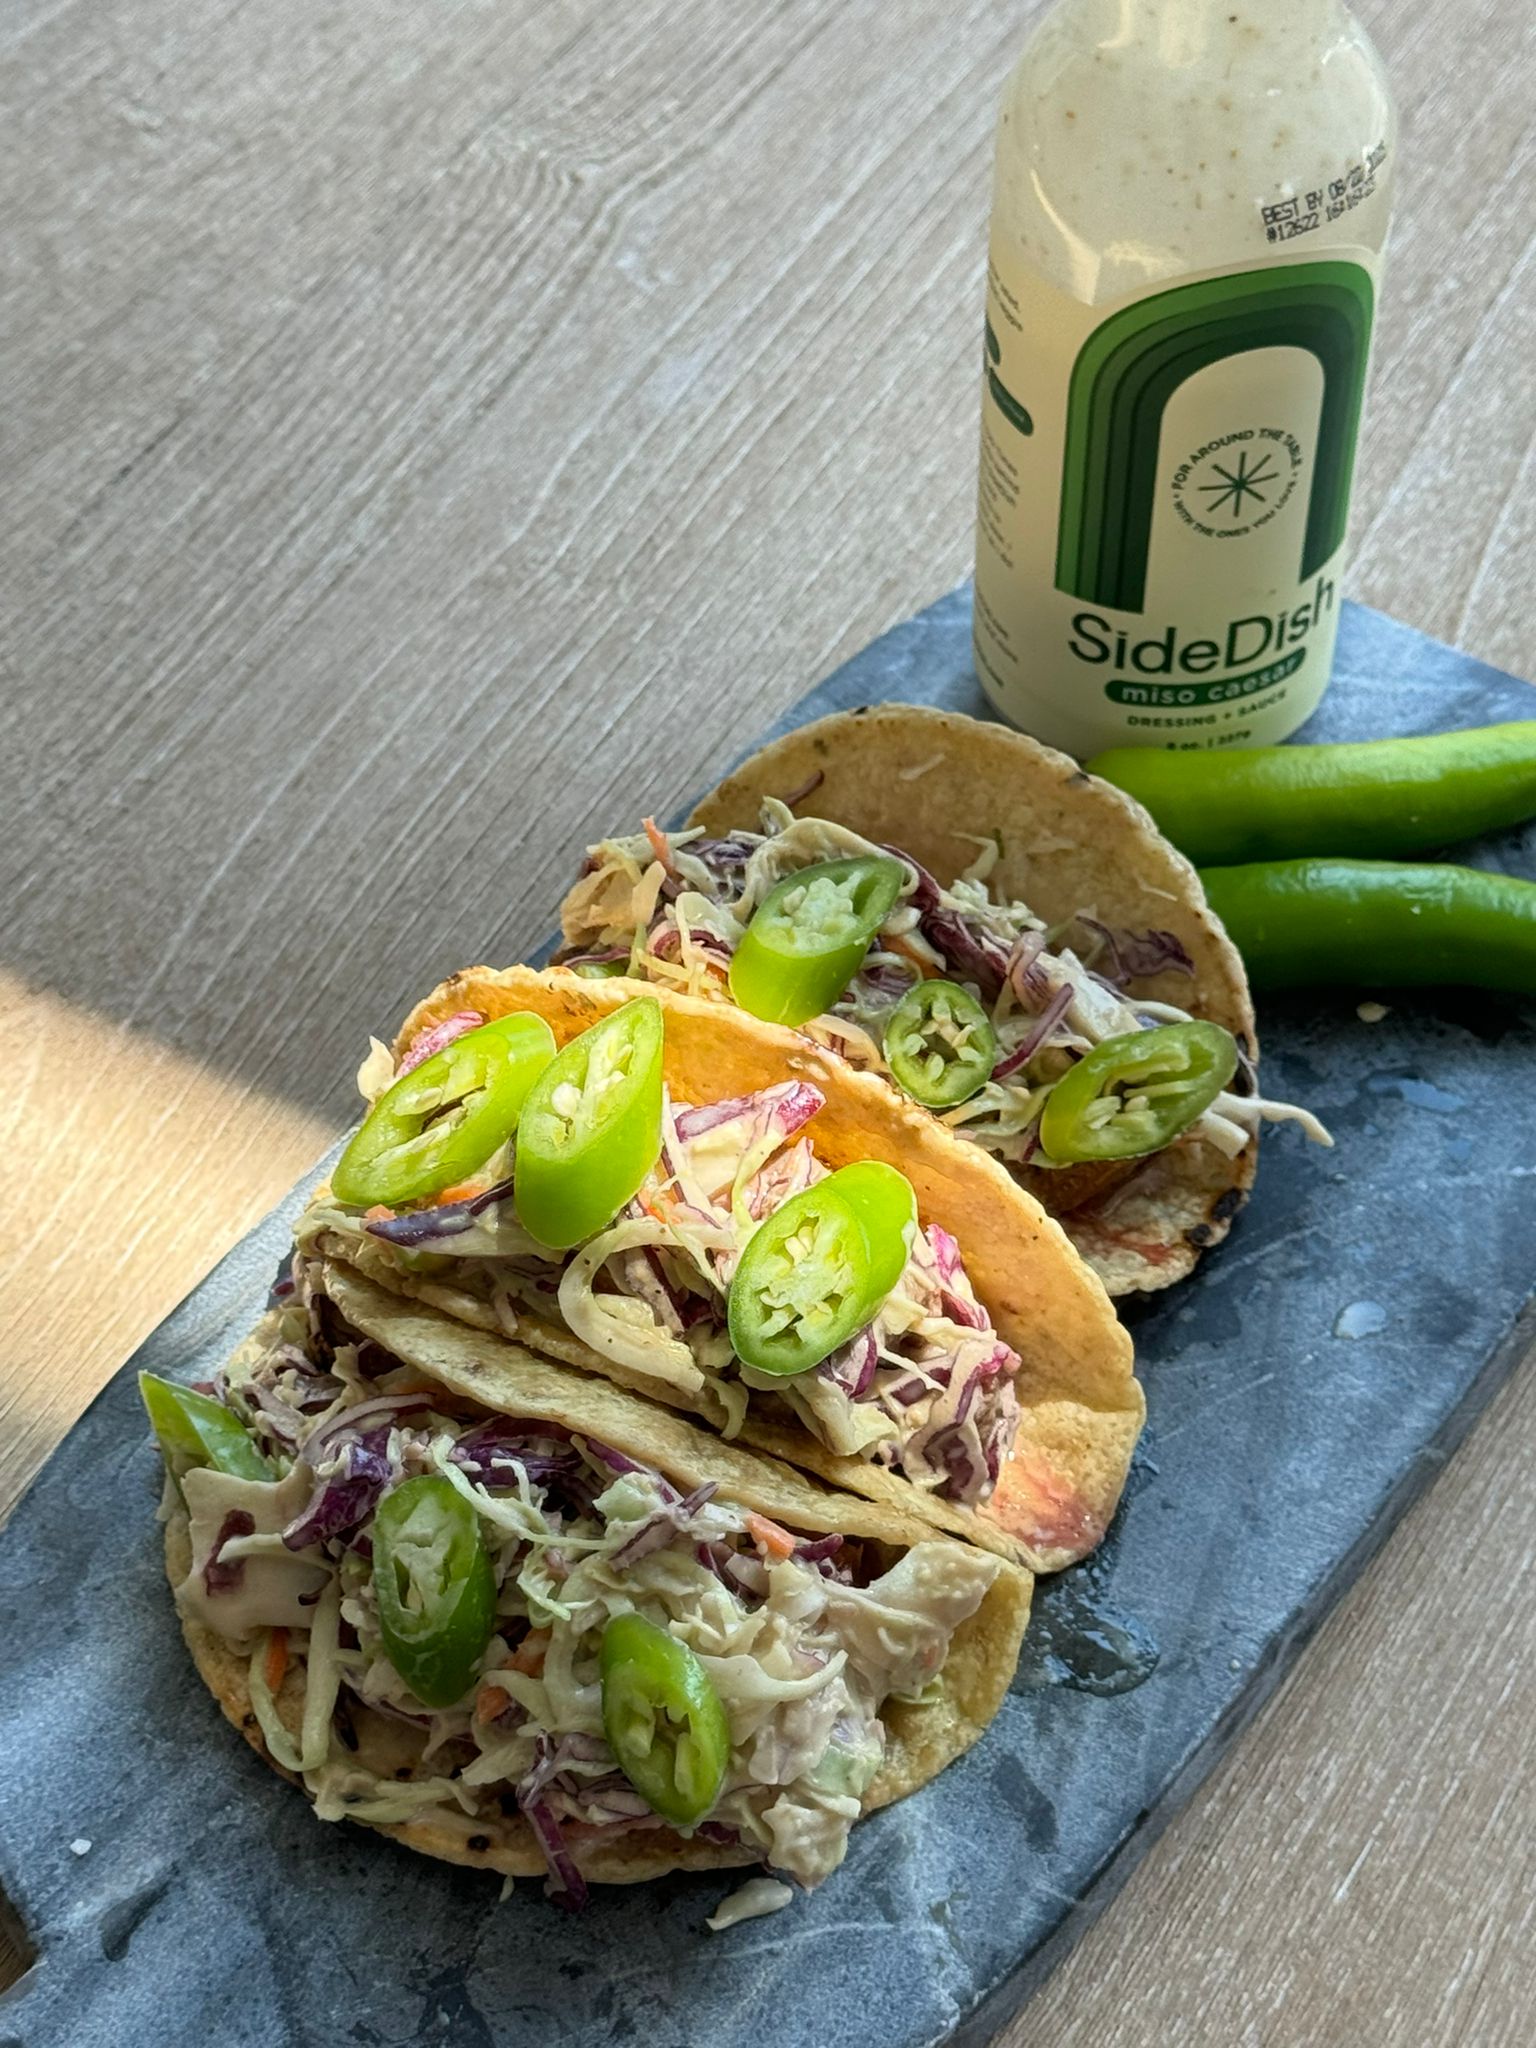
508,1378
1082,1405
935,783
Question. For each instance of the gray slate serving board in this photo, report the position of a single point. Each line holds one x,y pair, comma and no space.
1303,1388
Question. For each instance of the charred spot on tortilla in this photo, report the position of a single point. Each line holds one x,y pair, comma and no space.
804,789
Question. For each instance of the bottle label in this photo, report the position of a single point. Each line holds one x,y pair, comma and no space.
1164,496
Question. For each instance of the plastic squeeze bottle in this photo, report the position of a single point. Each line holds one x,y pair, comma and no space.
1191,204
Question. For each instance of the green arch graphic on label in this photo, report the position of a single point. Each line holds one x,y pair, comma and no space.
1130,367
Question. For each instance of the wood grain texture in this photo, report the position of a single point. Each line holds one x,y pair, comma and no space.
433,433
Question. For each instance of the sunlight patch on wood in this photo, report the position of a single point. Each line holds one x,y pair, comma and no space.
128,1158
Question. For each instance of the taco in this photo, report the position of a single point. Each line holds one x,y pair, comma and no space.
521,1619
965,912
797,1256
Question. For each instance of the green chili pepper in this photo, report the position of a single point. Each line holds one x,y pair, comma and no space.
1134,1094
196,1430
809,934
442,1121
663,1719
434,1588
816,1270
1376,797
1376,924
886,1207
940,1044
591,1127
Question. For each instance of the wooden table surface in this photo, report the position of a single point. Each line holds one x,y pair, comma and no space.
437,430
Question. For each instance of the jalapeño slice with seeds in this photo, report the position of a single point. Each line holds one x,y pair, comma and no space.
441,1122
590,1131
194,1429
810,933
1135,1093
940,1044
816,1270
434,1588
663,1718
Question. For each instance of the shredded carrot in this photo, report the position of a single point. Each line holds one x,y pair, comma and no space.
276,1663
528,1658
661,846
530,1653
461,1193
379,1213
770,1539
924,966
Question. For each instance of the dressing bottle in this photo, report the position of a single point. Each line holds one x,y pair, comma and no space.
1190,208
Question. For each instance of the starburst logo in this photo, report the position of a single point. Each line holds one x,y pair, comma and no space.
1240,483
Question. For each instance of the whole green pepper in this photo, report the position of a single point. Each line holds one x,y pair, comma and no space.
1377,924
1374,797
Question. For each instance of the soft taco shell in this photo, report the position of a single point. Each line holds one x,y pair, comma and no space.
1083,1407
512,1380
935,783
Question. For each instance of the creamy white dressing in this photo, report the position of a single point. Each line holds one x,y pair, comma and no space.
802,1662
275,1586
1139,140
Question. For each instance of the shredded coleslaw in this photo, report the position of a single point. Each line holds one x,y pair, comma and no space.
804,1639
672,908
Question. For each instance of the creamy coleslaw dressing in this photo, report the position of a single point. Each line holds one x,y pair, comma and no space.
802,1653
1191,201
